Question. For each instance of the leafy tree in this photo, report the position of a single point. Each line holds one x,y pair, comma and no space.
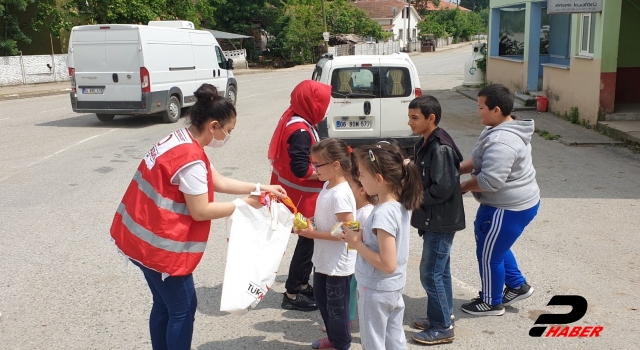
238,16
141,11
475,5
456,23
12,33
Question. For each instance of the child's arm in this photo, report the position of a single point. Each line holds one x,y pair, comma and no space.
466,167
309,232
384,261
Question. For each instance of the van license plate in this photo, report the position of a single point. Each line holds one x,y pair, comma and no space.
95,91
351,124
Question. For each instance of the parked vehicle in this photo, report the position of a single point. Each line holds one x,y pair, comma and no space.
370,98
123,69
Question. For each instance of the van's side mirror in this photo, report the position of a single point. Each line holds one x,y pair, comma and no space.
230,64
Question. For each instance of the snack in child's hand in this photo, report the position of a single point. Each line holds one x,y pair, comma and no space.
300,222
336,230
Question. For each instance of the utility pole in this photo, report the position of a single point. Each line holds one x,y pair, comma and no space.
408,12
324,17
325,35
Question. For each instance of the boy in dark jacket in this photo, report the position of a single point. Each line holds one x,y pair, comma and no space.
439,217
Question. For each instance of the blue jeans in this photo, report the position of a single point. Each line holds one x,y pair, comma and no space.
173,311
435,275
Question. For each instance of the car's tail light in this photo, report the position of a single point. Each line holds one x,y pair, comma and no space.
72,75
145,80
418,92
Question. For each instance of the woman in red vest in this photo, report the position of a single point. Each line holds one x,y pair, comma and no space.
290,155
163,222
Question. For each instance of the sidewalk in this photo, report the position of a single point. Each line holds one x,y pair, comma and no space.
34,90
567,133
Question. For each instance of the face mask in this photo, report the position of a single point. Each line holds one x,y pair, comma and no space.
219,143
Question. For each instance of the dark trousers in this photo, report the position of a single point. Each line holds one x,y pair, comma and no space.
332,295
173,311
301,265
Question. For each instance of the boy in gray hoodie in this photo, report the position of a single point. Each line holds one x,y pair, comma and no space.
503,180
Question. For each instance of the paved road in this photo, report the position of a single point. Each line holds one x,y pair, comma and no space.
63,286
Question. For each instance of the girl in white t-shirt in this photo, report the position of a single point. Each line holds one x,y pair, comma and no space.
333,262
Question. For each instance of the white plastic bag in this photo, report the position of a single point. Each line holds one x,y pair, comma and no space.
257,241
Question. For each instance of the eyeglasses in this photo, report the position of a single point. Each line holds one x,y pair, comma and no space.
316,166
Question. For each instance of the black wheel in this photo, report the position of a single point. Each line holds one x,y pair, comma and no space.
173,112
231,94
105,117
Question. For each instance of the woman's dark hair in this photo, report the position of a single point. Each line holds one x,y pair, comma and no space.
334,150
387,161
498,95
210,106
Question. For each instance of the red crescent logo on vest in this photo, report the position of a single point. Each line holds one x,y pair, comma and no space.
165,141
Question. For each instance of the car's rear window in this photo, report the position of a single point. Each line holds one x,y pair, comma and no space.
371,82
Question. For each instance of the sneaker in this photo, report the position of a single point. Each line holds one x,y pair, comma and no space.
480,308
511,295
423,322
322,343
300,303
434,336
308,292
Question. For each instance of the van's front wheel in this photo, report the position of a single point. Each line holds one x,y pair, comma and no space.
231,94
105,117
173,112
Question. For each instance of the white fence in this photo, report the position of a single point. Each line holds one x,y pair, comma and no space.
18,70
382,48
239,58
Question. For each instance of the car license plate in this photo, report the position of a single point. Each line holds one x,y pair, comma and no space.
353,124
94,91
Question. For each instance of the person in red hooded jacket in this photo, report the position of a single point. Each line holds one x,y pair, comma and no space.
290,155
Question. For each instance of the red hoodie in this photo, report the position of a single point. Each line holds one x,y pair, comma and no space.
310,101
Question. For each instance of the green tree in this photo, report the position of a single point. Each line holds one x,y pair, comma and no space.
344,18
456,23
12,34
142,11
475,5
238,16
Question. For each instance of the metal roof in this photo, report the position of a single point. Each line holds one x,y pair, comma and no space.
224,35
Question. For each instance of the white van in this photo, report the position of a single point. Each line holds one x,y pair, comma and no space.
370,98
144,69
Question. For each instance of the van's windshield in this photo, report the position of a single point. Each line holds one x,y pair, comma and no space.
371,82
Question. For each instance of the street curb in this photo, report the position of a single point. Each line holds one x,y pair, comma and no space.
564,141
7,97
616,134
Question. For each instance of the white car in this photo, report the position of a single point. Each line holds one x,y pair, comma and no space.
370,98
144,69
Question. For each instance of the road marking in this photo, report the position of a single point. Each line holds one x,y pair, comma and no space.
66,148
5,118
53,110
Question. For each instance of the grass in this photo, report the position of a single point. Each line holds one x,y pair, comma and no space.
547,135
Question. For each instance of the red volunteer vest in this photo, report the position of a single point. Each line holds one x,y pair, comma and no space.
152,224
303,193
